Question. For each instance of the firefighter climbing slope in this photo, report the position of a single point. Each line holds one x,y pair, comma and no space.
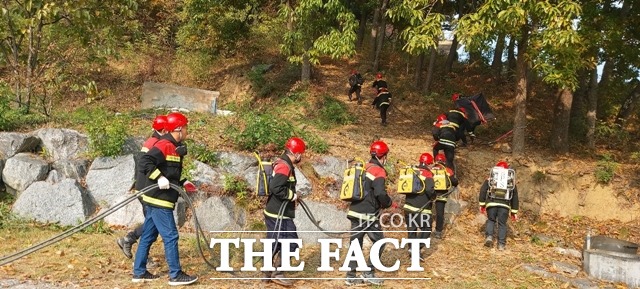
499,199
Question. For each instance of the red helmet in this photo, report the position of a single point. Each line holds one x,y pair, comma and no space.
296,145
455,97
426,158
441,158
175,121
379,149
353,71
442,117
379,76
159,122
502,164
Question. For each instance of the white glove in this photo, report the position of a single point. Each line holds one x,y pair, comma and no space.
163,183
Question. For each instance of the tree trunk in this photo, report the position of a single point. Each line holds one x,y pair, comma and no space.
362,28
374,34
628,106
496,64
562,118
520,120
380,36
592,108
452,57
419,68
430,69
511,57
604,85
305,76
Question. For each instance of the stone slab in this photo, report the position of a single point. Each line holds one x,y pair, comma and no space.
172,96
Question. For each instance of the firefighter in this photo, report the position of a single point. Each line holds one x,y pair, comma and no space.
498,206
445,182
447,138
458,118
382,103
417,206
281,204
162,165
355,83
440,121
379,83
471,126
364,214
125,243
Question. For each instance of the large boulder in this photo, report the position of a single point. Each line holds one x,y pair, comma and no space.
23,169
72,169
12,143
132,145
63,202
236,164
63,143
329,167
329,217
131,214
203,174
110,178
220,214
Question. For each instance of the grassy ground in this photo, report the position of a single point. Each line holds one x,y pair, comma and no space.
459,261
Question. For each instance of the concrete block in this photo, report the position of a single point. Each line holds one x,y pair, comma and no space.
173,96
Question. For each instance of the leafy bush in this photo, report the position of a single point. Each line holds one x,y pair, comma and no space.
538,177
107,133
260,85
202,153
605,170
6,216
235,185
260,130
333,113
12,118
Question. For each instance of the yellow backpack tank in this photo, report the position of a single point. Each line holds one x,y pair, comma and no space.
353,182
441,180
410,181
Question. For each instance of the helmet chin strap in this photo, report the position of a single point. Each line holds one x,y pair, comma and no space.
381,162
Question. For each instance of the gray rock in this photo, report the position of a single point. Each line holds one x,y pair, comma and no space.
570,269
63,202
2,161
23,169
53,177
110,178
544,239
63,143
29,284
204,174
455,206
329,167
303,186
12,143
132,145
480,219
72,169
329,217
218,214
579,283
235,163
130,215
568,252
250,176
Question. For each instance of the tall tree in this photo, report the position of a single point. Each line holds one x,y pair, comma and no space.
380,35
37,37
547,42
423,31
317,28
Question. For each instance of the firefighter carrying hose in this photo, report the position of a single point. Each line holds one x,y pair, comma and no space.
445,182
418,205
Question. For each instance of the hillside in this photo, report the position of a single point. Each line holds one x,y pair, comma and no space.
560,196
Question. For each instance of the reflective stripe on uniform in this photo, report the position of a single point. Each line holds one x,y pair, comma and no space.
442,199
157,202
173,159
490,204
425,211
144,149
290,195
514,211
155,174
383,103
274,215
361,216
370,176
447,142
482,204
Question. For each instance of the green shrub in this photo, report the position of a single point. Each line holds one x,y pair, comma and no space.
202,153
605,169
260,130
235,185
538,177
260,85
12,118
333,113
107,133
